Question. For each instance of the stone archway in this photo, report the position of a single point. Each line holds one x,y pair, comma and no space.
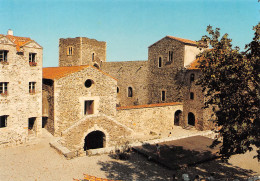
94,140
177,117
191,119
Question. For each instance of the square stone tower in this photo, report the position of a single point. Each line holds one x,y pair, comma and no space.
81,51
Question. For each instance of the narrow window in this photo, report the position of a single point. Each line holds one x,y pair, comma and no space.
3,88
160,62
93,56
170,56
70,50
32,59
32,87
192,77
3,121
117,89
3,56
163,96
191,95
130,92
89,107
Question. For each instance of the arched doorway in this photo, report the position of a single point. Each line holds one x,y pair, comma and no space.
94,140
191,119
177,117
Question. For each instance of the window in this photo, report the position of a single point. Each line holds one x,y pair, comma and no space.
32,59
3,56
117,89
32,87
130,92
170,56
3,121
192,77
191,95
3,88
160,62
70,50
89,107
93,56
163,95
88,83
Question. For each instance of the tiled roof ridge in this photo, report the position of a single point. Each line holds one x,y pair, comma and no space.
183,40
149,105
18,40
67,70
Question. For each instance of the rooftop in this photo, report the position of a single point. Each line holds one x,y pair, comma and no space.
18,41
150,105
59,72
182,40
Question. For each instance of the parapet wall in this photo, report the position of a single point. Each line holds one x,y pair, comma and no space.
146,118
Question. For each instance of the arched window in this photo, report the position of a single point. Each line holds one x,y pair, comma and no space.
160,62
93,56
191,95
130,92
192,77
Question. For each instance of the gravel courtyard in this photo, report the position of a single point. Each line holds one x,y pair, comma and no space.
38,161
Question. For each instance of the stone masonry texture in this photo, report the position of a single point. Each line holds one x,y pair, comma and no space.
19,105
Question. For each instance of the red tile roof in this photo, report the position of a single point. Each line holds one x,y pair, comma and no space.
59,72
150,105
194,65
185,41
19,41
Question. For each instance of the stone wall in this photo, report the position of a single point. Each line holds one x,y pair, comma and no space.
19,105
129,74
83,49
169,76
115,134
70,93
48,104
195,106
145,118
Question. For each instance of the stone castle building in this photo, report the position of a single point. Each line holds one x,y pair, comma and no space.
88,101
20,89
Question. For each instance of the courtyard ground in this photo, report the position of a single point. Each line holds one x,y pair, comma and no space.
38,161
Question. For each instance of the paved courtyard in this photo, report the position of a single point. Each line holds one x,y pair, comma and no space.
38,161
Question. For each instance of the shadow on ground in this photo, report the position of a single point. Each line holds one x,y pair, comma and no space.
173,160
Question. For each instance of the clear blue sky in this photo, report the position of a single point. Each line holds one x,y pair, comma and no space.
128,26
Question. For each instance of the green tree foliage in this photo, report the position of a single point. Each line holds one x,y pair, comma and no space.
230,81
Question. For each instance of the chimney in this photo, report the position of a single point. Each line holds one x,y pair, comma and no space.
10,32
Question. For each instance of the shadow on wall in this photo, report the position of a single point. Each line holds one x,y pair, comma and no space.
140,168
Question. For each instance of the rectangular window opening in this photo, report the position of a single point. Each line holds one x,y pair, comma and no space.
32,87
163,95
89,107
3,121
3,56
3,88
70,50
170,56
